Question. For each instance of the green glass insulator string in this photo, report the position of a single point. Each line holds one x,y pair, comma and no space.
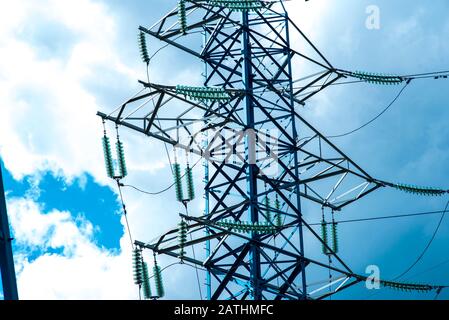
423,191
146,288
204,94
377,78
190,183
137,266
335,239
158,279
238,5
178,181
123,171
245,227
182,237
182,16
143,47
109,164
324,234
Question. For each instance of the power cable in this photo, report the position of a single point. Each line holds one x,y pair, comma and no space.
373,119
384,217
125,213
428,245
158,192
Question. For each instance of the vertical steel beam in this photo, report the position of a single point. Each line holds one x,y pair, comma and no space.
6,256
250,150
296,163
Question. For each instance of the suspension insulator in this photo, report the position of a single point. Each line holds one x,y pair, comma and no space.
108,157
182,238
178,181
158,280
146,288
324,237
182,16
407,286
121,159
424,191
376,78
204,94
238,5
335,244
190,184
137,266
268,209
143,48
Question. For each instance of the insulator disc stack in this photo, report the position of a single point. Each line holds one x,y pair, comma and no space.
335,244
182,16
190,184
377,78
146,288
143,47
204,94
158,280
324,237
182,237
121,159
238,5
424,191
137,266
247,227
178,182
108,157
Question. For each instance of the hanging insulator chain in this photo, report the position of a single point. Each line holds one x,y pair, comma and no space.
182,16
121,159
324,237
108,156
182,237
146,288
335,244
178,181
190,184
143,47
137,266
158,280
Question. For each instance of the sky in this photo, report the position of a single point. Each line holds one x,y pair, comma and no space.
62,61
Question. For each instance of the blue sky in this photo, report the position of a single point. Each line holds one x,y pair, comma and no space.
61,61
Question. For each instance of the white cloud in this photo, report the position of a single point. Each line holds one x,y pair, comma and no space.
48,116
82,271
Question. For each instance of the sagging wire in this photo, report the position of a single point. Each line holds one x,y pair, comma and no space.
194,254
427,246
161,191
373,119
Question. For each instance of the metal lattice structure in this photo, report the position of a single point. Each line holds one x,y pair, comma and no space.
264,163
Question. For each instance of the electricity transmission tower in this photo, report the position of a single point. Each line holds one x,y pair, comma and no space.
265,165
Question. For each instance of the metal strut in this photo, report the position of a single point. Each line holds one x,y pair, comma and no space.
6,256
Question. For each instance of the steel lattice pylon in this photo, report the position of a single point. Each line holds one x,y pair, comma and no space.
258,147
